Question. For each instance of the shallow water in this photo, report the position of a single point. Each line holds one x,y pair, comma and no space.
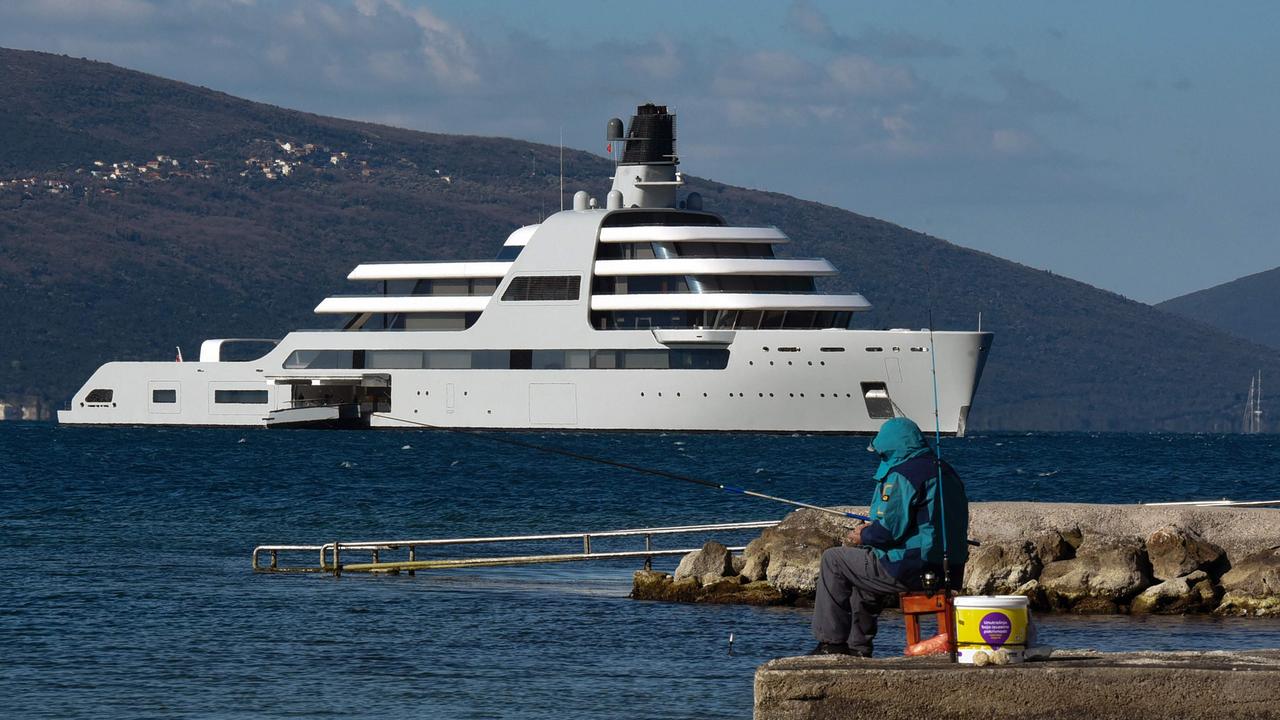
129,590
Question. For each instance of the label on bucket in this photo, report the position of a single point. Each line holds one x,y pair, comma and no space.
995,628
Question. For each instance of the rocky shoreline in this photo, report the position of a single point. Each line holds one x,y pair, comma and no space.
1064,557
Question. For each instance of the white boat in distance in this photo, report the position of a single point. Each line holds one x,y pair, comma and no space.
649,313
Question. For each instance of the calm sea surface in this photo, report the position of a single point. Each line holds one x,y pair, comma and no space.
128,590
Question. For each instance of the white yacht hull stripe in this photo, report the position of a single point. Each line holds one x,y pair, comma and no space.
429,271
394,304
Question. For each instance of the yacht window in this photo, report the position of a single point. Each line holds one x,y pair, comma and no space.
773,318
240,397
831,349
379,359
543,288
509,252
491,359
750,319
165,397
484,286
100,395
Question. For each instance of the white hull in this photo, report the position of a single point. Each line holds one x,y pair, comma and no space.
807,390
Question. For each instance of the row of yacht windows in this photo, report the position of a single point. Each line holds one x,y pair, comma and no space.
625,320
654,250
643,284
678,359
411,321
721,319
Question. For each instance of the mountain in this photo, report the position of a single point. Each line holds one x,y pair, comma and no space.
1245,307
138,213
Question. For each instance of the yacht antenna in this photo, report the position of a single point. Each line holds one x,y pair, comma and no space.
562,168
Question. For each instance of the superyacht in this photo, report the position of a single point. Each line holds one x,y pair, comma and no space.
644,312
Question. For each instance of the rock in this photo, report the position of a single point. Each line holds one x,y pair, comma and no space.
1035,595
1252,585
1000,568
1105,573
1176,552
1051,546
1179,596
738,562
707,565
651,585
790,555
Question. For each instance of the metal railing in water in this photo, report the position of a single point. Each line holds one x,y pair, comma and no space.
331,555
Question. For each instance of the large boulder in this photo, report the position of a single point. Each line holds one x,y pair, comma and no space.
1252,586
1105,573
1000,568
1176,552
790,554
708,565
1193,593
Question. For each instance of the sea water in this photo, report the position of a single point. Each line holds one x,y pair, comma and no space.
127,589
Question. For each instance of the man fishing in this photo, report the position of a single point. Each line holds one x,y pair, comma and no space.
915,524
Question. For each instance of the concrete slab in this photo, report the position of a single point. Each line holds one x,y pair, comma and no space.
1069,684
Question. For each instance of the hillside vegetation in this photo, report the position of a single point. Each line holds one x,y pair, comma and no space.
139,213
1245,307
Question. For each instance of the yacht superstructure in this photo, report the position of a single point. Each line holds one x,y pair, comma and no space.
646,313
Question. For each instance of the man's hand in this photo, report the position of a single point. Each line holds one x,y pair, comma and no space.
854,536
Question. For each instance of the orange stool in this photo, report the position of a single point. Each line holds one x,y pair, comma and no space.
941,605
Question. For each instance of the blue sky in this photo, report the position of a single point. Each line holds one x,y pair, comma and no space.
1129,145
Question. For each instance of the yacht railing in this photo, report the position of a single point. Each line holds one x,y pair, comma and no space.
267,558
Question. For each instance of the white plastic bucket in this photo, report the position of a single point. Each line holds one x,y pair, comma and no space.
991,625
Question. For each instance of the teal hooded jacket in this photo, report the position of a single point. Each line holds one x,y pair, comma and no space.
910,509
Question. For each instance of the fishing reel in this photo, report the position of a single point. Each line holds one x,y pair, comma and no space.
930,581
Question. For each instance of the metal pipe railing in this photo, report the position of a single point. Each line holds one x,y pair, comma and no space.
335,550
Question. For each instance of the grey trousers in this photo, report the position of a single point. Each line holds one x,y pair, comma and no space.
852,590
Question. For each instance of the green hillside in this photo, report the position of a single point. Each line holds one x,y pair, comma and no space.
252,214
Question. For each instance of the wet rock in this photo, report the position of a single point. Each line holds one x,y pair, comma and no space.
707,565
1000,568
1179,596
1252,585
1176,552
1105,573
651,585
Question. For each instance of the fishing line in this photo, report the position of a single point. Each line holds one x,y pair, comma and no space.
628,466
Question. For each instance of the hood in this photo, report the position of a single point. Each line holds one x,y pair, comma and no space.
899,440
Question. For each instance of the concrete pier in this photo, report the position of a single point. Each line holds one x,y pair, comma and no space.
1069,684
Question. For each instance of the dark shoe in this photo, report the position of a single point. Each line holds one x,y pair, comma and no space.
860,652
826,648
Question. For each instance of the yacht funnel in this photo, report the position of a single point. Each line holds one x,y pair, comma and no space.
646,175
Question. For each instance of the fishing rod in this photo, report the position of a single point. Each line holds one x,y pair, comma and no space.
937,454
635,468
